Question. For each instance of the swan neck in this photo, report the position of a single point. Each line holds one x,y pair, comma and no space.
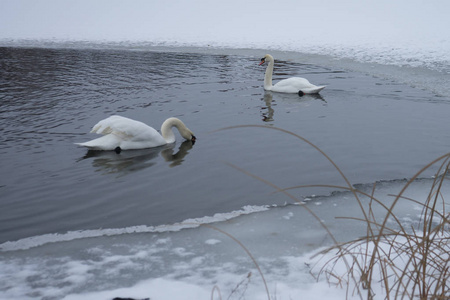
268,76
167,132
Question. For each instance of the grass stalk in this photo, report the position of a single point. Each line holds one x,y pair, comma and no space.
425,253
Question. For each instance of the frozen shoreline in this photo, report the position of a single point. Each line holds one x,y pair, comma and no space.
190,262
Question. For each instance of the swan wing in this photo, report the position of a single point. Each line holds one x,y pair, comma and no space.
295,84
125,128
125,133
291,85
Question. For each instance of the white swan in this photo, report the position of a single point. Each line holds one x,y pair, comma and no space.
292,85
120,133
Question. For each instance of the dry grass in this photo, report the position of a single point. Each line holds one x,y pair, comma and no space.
411,263
408,263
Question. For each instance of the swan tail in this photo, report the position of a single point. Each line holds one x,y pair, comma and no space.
106,142
90,145
313,90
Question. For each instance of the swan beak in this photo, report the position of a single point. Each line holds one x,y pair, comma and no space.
263,60
193,139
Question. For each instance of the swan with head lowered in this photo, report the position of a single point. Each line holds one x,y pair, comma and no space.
120,133
293,85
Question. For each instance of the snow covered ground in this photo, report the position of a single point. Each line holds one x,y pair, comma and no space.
255,253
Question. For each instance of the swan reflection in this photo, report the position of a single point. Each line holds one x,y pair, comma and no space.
177,158
267,110
125,162
267,116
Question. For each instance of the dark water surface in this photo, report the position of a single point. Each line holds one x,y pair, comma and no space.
374,129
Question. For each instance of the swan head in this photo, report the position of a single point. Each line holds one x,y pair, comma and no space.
185,132
188,135
267,58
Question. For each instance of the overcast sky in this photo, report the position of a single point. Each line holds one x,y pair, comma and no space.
228,21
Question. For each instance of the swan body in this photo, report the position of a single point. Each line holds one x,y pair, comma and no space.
292,85
120,133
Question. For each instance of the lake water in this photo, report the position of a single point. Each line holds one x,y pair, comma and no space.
373,128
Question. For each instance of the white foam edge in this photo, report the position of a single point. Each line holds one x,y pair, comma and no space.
37,241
